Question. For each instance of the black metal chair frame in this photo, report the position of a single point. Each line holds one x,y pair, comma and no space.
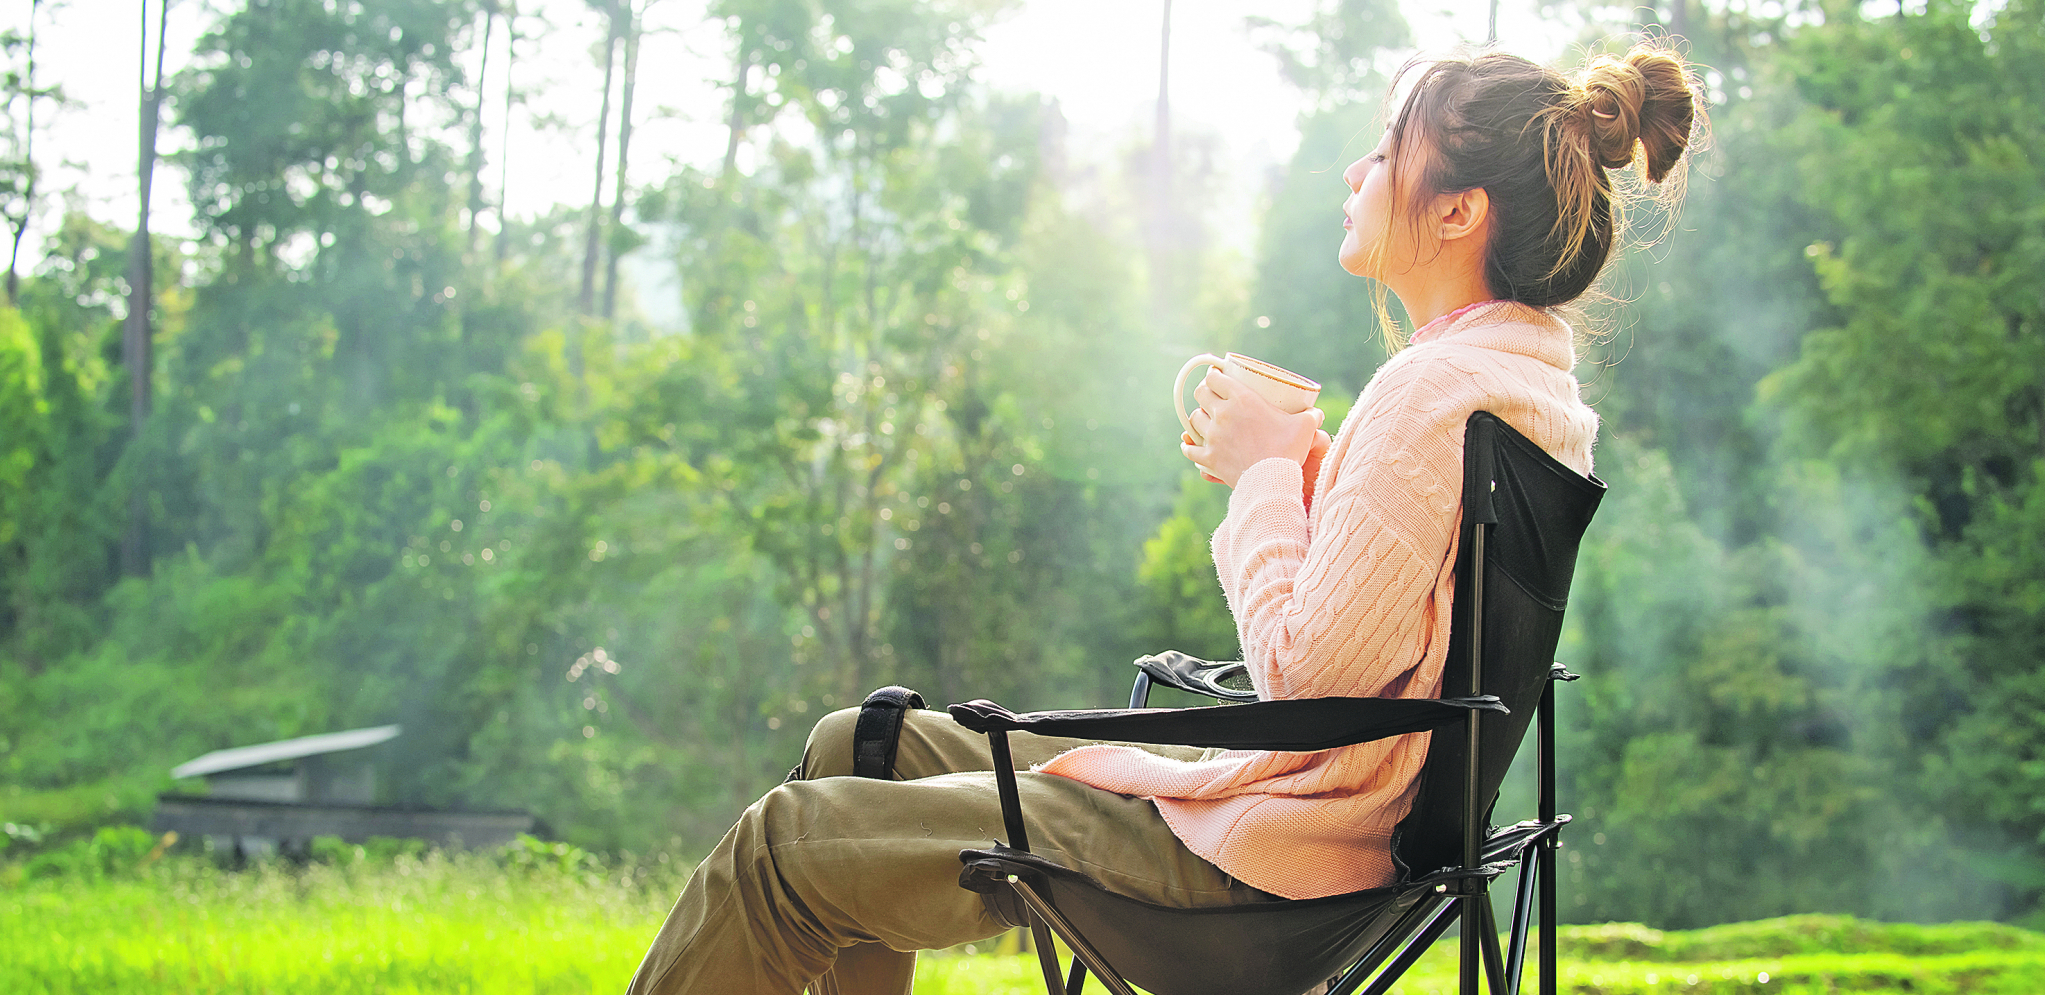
1379,934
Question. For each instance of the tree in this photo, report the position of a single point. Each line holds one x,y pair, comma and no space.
19,172
1794,578
475,169
1928,380
1160,241
617,18
138,339
620,239
504,141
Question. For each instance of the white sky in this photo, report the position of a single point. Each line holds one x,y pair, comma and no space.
1098,58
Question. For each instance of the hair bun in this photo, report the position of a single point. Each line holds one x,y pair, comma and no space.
1644,98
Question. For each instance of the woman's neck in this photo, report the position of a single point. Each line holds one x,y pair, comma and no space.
1428,299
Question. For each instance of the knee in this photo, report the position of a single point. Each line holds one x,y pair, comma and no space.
752,852
829,750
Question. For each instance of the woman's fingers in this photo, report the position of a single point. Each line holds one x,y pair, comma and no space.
1218,384
1217,392
1203,423
1195,452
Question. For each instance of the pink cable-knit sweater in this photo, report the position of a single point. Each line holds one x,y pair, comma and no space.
1353,600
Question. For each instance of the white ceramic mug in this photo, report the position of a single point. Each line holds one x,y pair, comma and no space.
1288,391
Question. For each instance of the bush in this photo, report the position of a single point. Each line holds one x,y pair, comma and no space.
111,851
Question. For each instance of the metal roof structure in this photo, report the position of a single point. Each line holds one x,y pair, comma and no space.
239,757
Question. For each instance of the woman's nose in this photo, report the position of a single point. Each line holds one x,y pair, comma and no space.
1355,173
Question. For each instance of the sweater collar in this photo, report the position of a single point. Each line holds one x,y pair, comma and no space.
1509,326
1440,326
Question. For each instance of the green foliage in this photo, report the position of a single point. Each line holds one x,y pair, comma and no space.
1322,320
1792,936
913,433
22,412
1930,373
1333,56
604,574
111,852
1177,573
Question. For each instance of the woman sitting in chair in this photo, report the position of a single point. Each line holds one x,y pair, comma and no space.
1486,206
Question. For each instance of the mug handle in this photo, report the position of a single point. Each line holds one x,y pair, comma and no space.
1179,390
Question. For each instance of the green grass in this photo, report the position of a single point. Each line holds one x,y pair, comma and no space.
544,920
412,924
1796,955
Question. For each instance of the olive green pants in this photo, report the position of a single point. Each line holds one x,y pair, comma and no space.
834,882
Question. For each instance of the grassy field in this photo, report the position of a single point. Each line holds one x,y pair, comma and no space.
551,920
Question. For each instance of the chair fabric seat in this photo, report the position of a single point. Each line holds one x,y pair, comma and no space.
1282,947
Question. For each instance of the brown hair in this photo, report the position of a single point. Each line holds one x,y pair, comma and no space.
1542,146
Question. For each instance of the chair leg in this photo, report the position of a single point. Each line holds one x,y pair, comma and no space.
1077,979
1047,955
1469,950
1544,854
1545,870
1494,964
1416,918
1045,918
1398,967
1522,913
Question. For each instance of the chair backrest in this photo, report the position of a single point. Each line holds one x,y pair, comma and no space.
1540,509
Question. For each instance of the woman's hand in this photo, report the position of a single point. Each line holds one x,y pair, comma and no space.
1312,467
1241,428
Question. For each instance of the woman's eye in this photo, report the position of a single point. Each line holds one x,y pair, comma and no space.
1375,157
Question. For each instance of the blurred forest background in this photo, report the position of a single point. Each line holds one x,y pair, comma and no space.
368,451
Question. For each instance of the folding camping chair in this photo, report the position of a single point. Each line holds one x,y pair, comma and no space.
1523,516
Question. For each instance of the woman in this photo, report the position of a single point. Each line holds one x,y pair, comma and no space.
1486,205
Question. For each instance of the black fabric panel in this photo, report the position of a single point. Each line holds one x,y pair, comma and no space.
1299,725
1541,508
1270,948
879,731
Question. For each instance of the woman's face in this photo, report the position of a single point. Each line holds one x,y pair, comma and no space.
1376,240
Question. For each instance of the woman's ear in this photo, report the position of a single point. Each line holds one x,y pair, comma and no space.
1461,215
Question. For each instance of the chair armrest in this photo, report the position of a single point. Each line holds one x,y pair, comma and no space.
1194,675
1296,725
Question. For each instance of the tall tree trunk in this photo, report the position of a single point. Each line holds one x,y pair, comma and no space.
1491,25
504,140
1161,181
736,126
136,334
476,127
633,29
28,161
586,300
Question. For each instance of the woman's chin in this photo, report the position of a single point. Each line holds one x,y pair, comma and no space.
1358,258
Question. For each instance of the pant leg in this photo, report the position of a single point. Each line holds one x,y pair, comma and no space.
819,866
931,743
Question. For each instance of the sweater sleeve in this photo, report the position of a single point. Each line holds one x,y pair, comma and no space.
1347,612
